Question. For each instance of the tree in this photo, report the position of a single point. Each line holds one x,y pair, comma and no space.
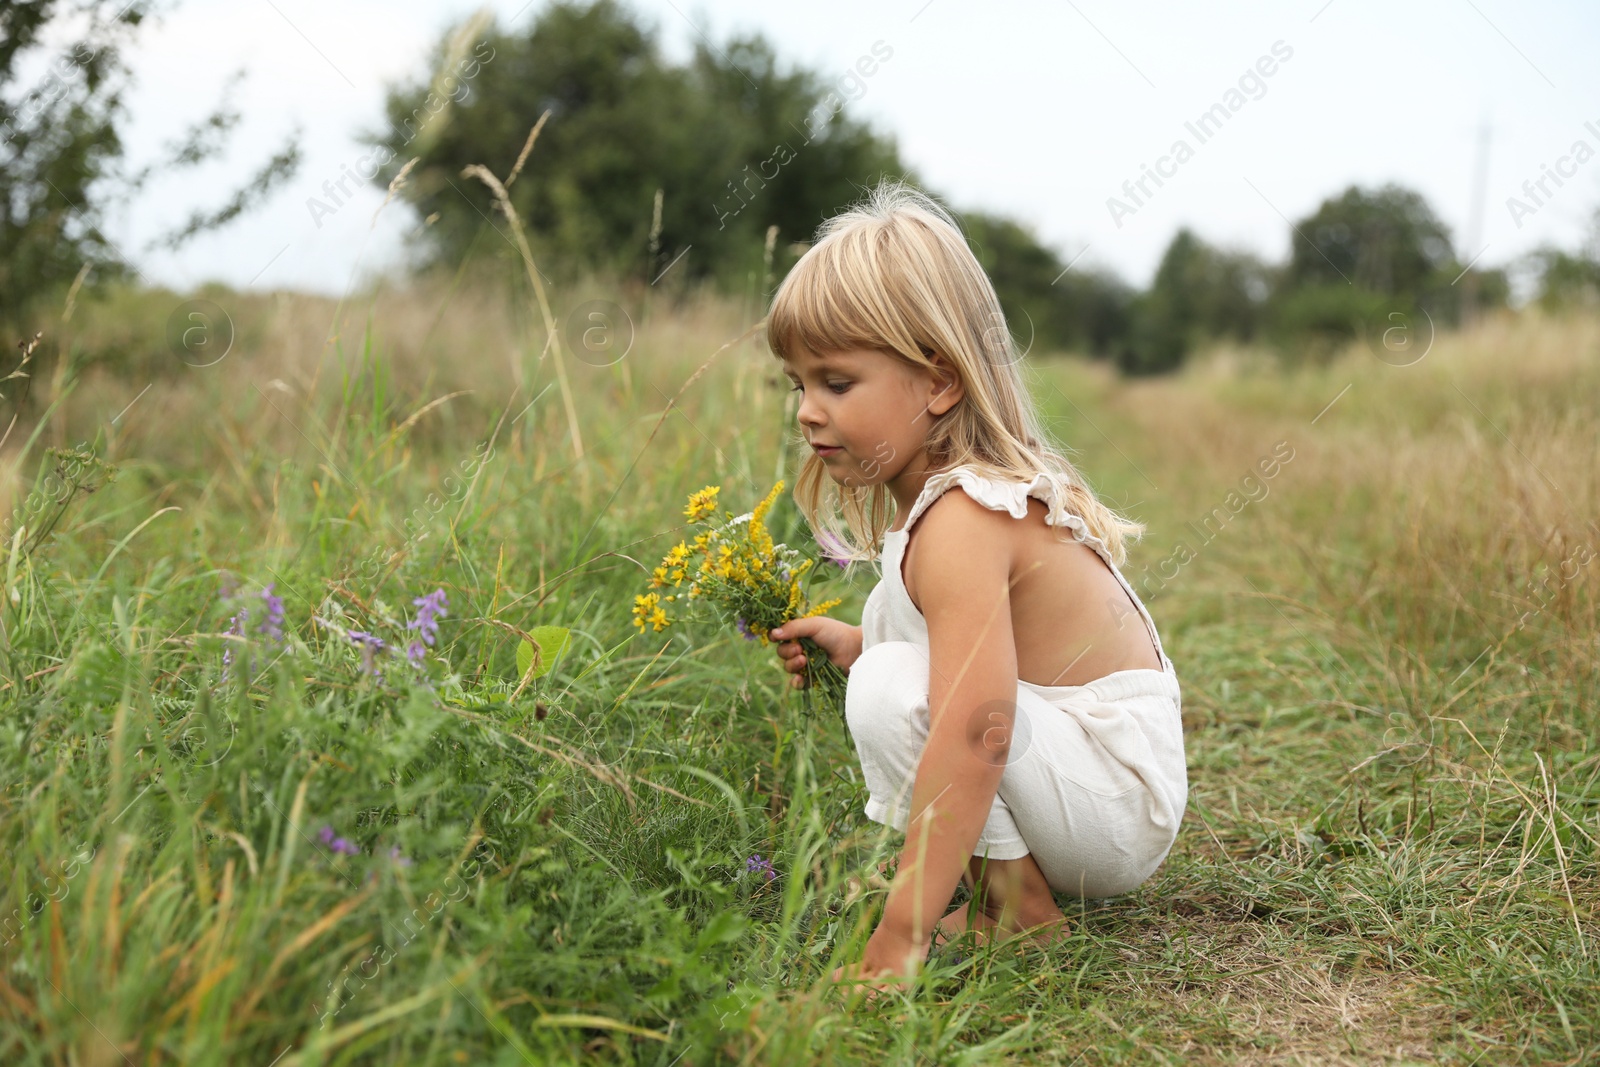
1363,258
1387,241
61,147
734,143
1199,293
1569,279
1044,303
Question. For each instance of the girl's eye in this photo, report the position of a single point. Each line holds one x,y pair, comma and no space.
797,388
838,387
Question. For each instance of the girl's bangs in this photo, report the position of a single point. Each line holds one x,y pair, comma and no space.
817,310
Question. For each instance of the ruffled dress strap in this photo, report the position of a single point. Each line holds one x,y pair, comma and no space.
1008,496
1012,497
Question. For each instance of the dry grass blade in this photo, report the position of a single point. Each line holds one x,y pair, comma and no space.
552,338
397,183
600,1022
522,157
305,937
423,410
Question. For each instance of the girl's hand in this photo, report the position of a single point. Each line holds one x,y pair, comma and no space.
890,963
840,640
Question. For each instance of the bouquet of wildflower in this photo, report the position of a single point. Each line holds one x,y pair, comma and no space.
734,567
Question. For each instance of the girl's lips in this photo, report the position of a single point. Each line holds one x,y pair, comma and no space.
821,451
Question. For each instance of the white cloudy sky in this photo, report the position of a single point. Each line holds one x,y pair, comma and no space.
1037,110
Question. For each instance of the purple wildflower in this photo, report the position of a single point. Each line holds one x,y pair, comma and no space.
429,609
756,863
833,549
272,624
371,644
744,629
394,854
337,844
415,652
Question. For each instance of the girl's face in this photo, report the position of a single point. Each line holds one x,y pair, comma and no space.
871,409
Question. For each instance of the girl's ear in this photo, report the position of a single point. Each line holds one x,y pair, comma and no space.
947,385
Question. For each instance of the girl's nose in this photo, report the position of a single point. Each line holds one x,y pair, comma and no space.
809,414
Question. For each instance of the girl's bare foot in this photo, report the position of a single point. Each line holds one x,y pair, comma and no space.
960,921
1044,926
1048,930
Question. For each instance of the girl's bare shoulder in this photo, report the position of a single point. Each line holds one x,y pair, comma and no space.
961,532
956,518
958,537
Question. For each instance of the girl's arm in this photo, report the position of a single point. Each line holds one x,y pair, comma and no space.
962,573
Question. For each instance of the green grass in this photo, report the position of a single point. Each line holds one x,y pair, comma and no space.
1390,848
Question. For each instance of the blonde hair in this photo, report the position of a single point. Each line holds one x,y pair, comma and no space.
894,273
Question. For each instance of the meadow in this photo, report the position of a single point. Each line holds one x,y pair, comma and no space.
237,834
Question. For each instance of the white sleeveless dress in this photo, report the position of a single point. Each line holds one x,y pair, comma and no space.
1095,782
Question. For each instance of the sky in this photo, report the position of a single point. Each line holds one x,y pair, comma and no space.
1038,111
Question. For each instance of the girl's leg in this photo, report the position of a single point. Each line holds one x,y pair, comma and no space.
1015,894
1065,804
1009,897
886,706
964,919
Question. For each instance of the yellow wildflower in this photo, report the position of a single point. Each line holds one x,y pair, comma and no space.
647,611
758,532
795,594
736,564
822,608
702,504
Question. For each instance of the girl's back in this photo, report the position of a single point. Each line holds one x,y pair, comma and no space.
1069,613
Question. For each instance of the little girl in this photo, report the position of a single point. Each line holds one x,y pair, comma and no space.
1009,699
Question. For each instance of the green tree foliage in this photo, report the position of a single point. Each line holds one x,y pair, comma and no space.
60,136
1386,241
1569,279
735,144
1364,260
1199,293
61,148
1047,305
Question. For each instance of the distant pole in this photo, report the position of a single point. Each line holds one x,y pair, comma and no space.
1480,187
